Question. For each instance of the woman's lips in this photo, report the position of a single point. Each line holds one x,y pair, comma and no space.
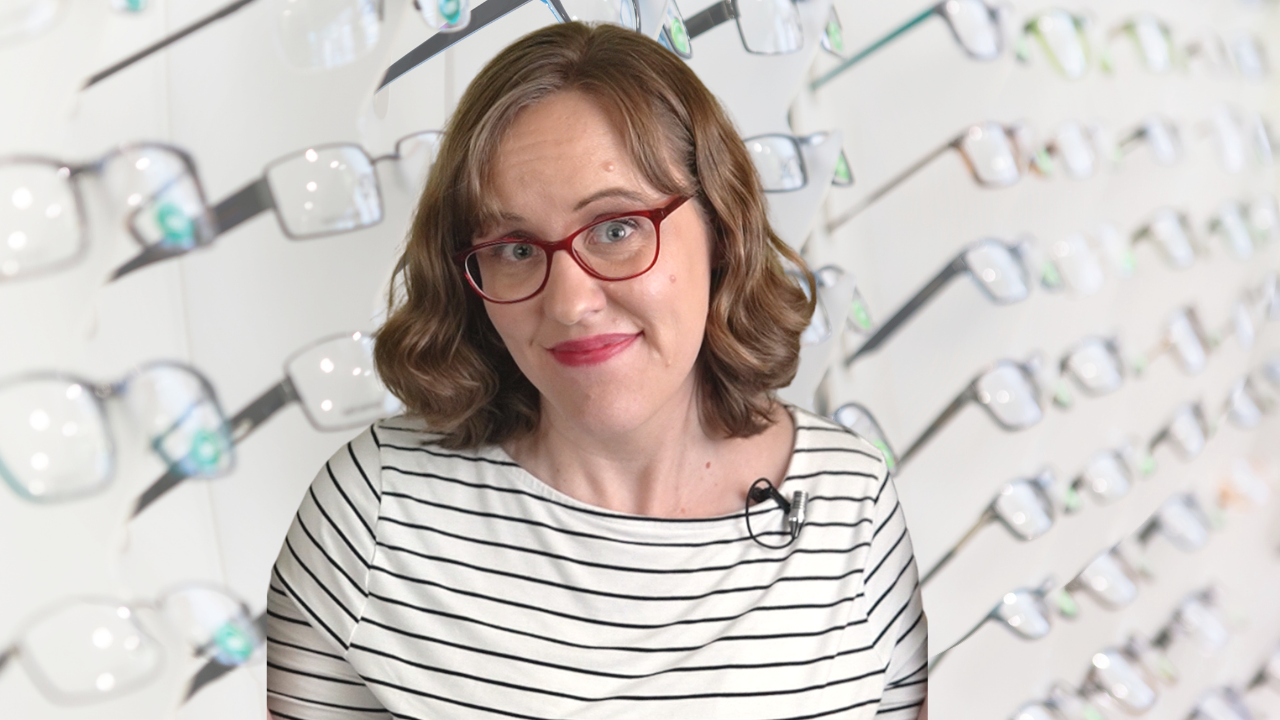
591,350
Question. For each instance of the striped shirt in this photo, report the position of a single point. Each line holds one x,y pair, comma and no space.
419,582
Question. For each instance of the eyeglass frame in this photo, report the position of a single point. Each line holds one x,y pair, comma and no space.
95,167
953,269
1039,484
654,215
939,9
723,11
248,418
1023,158
100,393
256,198
211,670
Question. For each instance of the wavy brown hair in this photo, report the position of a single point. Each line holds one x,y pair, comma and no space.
439,353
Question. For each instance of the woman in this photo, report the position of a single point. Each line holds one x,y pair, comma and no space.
560,527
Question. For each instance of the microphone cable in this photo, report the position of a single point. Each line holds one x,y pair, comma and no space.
762,489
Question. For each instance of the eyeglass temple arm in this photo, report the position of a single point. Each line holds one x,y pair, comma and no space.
247,202
933,661
212,669
890,326
241,426
874,46
481,15
987,517
161,44
956,406
704,20
884,189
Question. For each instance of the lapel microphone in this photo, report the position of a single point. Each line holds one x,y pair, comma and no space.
761,490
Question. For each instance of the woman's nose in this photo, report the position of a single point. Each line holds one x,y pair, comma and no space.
571,293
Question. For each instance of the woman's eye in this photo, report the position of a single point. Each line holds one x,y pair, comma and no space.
614,230
513,251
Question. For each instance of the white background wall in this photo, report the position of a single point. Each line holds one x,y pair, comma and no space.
238,309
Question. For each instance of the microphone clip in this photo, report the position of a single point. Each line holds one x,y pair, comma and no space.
762,489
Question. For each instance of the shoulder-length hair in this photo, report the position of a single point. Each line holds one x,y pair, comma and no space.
439,353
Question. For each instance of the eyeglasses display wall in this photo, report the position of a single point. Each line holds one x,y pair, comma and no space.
1065,330
1046,239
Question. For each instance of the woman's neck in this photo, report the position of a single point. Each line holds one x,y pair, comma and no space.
668,465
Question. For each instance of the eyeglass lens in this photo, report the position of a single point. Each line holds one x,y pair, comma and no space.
445,15
1116,676
1076,151
1163,139
337,386
39,218
1242,408
1095,367
1200,621
769,27
1107,476
325,190
1153,42
1170,233
1009,396
779,162
857,419
158,189
1182,524
997,271
991,155
1186,433
974,27
1061,38
618,12
1230,222
614,249
1107,581
323,34
415,154
1024,612
1024,508
1077,264
89,651
54,441
215,624
184,423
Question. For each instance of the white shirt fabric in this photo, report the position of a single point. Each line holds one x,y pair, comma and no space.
418,582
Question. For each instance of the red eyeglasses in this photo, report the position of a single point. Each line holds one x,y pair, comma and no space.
618,247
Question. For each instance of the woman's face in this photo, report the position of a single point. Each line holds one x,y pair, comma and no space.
606,355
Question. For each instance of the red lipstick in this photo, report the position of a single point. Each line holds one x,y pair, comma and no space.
591,350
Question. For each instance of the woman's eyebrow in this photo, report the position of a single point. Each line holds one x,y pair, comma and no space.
618,192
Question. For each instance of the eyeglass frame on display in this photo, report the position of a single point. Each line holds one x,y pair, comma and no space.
1040,594
256,198
970,394
252,416
485,13
1022,158
958,265
95,167
99,393
936,9
1039,484
210,671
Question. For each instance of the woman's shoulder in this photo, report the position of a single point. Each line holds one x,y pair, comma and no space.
822,436
404,443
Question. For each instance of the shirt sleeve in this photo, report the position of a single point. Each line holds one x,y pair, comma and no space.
892,588
318,593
